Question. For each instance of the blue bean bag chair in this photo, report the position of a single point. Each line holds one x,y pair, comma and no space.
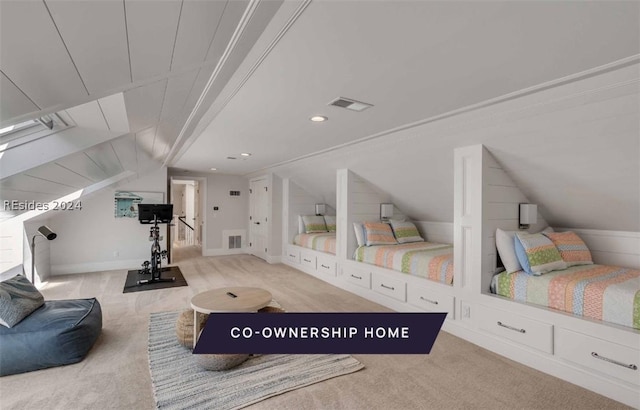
59,332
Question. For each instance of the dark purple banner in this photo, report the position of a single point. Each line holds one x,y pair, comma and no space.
313,333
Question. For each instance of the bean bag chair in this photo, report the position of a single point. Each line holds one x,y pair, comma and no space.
57,333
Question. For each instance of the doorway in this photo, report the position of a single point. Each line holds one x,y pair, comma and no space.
258,219
187,218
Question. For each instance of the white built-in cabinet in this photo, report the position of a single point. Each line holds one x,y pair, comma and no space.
593,354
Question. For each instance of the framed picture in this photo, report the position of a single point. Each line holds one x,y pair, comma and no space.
126,202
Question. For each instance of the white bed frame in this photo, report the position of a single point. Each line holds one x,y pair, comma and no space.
556,343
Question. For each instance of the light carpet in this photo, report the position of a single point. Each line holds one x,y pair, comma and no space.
179,383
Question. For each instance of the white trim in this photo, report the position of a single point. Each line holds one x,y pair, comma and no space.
274,259
74,268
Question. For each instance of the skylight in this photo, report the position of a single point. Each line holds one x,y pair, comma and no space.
17,127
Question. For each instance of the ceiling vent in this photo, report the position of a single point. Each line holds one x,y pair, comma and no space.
349,104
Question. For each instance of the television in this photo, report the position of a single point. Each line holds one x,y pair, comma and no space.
150,213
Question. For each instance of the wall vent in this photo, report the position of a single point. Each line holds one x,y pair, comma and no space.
233,238
350,104
235,242
234,193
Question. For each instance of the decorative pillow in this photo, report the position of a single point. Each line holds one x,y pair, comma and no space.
379,233
507,250
358,227
314,223
330,221
572,248
537,254
18,298
405,232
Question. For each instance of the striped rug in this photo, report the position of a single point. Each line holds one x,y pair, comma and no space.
179,383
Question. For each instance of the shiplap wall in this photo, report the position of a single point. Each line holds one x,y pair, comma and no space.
500,203
364,201
299,202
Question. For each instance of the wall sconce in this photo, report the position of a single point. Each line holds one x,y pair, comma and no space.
527,215
386,211
321,209
45,232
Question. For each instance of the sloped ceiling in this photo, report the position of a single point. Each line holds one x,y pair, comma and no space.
161,57
262,68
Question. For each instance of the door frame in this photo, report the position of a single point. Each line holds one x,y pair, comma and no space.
202,197
269,183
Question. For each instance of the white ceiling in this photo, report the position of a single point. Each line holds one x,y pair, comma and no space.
411,59
204,80
157,56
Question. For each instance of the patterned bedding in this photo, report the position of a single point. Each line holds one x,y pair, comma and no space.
323,242
428,260
608,293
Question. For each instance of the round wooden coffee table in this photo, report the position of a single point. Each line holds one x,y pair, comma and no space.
232,299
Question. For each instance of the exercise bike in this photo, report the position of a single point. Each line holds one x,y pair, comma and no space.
153,266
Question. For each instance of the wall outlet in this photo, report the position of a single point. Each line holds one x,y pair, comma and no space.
466,311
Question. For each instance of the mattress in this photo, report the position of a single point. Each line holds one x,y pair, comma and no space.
607,293
323,242
427,260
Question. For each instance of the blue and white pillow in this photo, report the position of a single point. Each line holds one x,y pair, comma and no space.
18,299
537,254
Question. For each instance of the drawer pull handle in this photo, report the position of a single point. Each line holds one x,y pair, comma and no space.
435,302
511,327
325,266
357,277
606,359
387,287
293,256
307,260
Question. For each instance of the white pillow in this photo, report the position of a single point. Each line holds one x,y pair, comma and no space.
507,248
358,227
300,224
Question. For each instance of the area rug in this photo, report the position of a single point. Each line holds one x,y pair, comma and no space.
179,383
133,276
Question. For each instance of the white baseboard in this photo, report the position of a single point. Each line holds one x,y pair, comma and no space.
274,259
223,252
96,266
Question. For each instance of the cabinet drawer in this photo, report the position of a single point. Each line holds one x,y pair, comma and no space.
429,299
308,259
529,332
359,277
606,357
391,287
326,265
292,254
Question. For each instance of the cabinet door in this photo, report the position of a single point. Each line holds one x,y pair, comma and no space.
521,329
601,355
388,286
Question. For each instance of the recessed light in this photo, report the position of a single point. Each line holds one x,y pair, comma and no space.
246,154
318,118
214,169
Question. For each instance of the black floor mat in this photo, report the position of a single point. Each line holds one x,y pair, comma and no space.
131,284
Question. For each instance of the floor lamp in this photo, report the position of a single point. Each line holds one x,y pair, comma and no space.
47,233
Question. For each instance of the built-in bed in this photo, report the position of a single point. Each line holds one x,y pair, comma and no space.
398,246
567,279
319,241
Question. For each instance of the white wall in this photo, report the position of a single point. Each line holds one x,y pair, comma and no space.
92,239
573,148
232,213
